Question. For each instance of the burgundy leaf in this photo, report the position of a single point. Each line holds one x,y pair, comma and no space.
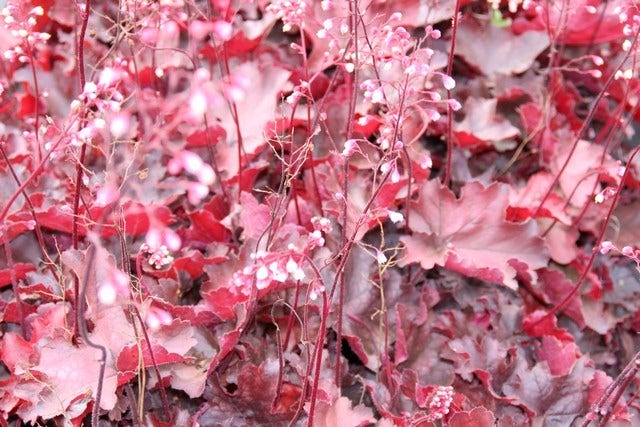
470,234
496,50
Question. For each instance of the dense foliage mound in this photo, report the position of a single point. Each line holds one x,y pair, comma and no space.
326,213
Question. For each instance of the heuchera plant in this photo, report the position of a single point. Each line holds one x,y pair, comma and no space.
323,213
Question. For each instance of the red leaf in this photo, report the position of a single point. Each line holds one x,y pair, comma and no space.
342,413
559,355
531,195
555,287
69,372
488,359
11,312
197,315
15,351
27,102
366,125
539,324
281,125
552,400
223,301
264,82
627,232
470,234
138,217
494,50
191,263
477,417
579,179
20,270
60,220
129,357
205,228
255,217
579,26
597,387
202,138
482,126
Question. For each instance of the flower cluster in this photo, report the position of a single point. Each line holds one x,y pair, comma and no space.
103,101
291,12
631,20
158,257
440,402
22,24
207,93
193,164
630,252
320,226
606,194
390,43
270,268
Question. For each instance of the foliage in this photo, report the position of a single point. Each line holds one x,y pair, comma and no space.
319,212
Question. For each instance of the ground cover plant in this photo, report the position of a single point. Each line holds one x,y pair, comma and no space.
326,213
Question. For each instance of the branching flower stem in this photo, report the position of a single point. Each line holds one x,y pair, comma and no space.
84,13
585,126
354,23
560,306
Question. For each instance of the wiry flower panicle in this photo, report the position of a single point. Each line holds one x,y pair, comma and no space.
269,268
630,17
21,20
606,194
631,252
192,163
291,12
321,225
606,247
300,91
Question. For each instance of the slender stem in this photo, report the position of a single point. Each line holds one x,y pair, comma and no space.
80,162
37,110
599,240
355,13
163,393
14,286
84,334
447,169
37,229
318,357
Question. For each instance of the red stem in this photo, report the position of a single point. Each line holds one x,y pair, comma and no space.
163,393
37,109
14,286
318,357
447,170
